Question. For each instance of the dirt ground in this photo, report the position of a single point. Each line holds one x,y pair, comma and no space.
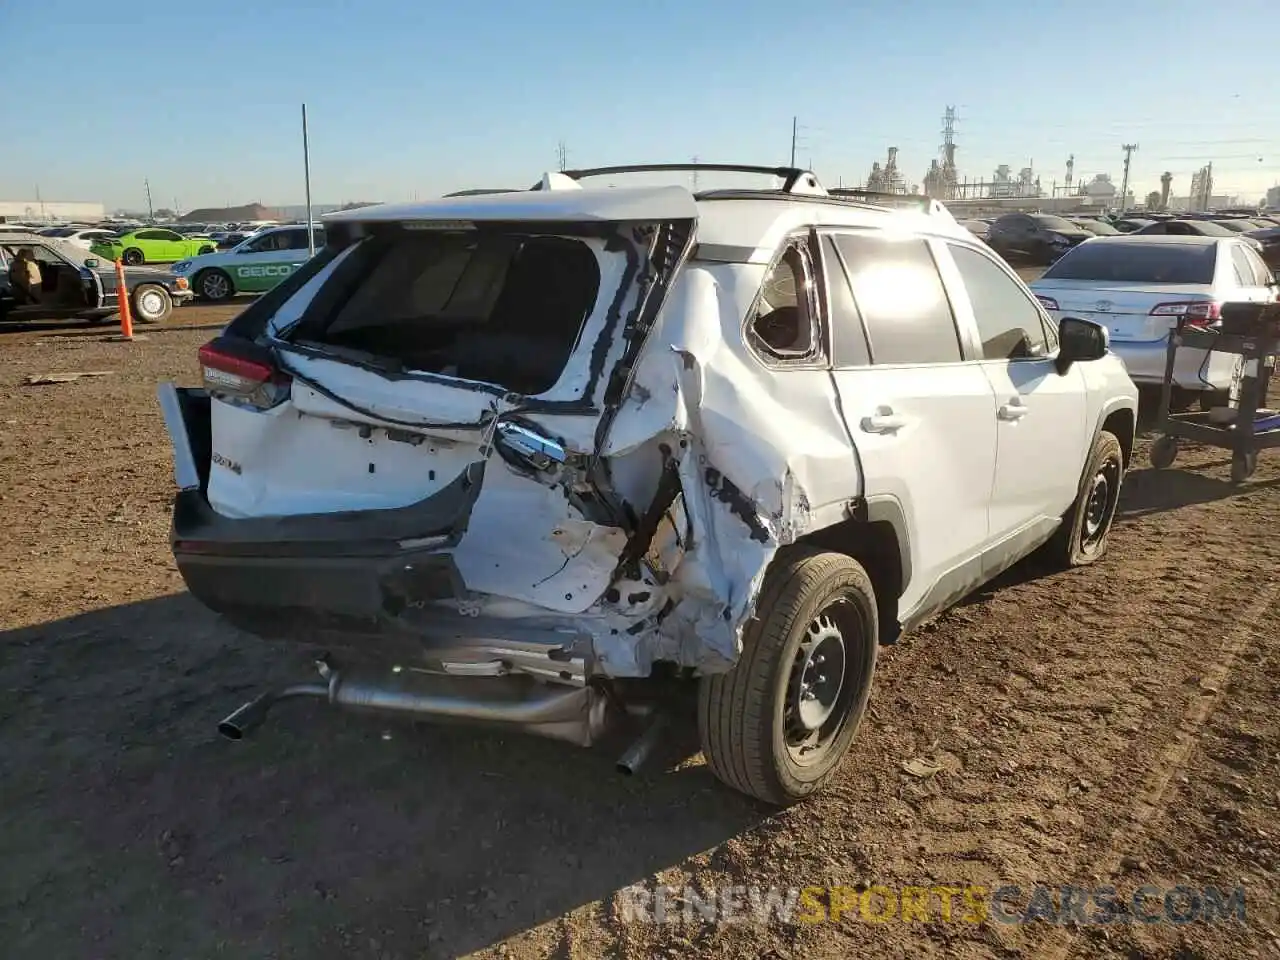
1113,725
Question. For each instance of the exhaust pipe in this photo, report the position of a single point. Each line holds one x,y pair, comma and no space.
250,716
631,761
576,714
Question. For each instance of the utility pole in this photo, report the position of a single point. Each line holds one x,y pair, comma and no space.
151,213
306,178
795,129
1124,182
1208,186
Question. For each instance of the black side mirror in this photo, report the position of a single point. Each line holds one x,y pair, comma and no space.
1080,341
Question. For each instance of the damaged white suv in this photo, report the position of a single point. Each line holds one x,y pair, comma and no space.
511,458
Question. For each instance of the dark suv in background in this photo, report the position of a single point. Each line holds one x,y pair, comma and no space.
1034,238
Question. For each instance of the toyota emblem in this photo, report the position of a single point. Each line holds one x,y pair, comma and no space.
1103,306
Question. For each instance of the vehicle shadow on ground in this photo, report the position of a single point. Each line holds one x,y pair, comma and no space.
133,830
1151,491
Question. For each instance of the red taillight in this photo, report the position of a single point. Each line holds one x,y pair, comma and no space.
1047,302
254,381
1194,313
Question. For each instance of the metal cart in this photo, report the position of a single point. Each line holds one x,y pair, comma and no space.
1244,426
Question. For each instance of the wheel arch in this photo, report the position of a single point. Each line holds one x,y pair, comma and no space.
875,533
1122,421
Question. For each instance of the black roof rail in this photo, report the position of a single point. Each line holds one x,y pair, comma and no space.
480,191
791,176
923,201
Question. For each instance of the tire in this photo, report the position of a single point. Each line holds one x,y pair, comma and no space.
151,303
1163,452
214,285
1084,534
813,605
133,257
203,250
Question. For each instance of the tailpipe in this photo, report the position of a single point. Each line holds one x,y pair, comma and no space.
631,761
576,714
250,716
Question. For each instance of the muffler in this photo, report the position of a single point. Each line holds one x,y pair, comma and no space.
576,714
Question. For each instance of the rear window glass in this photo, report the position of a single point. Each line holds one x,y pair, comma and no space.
501,308
1133,262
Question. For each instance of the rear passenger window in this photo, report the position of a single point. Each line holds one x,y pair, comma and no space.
1009,324
1243,269
850,338
783,325
901,298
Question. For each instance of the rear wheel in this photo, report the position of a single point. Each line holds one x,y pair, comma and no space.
1083,536
133,256
214,285
778,724
151,303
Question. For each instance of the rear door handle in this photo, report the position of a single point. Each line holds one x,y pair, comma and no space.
1015,409
884,420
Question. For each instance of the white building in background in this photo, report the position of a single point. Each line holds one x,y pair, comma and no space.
1273,196
70,211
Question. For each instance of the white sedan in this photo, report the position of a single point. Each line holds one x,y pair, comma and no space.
82,237
1138,287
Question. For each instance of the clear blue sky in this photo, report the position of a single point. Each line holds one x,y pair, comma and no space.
409,98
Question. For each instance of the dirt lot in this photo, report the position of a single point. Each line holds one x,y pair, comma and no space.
1113,725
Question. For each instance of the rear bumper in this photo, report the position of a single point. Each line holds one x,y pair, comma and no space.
371,582
179,297
1198,370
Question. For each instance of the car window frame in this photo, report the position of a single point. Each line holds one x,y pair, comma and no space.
837,271
1249,279
1266,276
1047,328
819,357
963,325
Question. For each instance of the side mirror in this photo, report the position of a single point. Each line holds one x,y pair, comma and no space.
1080,341
92,263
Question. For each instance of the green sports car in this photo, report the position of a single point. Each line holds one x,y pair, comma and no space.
152,245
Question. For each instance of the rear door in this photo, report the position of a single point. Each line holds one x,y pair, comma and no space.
1041,413
465,363
922,413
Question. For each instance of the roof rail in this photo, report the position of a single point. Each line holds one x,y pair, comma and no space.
917,201
794,179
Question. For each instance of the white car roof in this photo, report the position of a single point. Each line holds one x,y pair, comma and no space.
746,225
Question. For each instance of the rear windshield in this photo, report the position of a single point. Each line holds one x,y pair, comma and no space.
501,307
1133,262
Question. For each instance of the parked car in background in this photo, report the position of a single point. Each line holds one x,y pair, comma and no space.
83,237
1239,224
1099,228
1132,224
1269,239
1140,286
979,228
1037,238
1194,228
151,245
79,285
254,266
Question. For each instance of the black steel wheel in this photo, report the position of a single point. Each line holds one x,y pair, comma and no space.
1084,534
133,257
778,724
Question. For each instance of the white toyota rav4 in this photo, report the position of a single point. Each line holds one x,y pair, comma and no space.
524,458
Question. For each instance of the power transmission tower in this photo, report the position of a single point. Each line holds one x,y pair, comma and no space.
151,213
562,156
1124,182
795,129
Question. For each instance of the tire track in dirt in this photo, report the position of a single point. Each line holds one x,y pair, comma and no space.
1150,798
